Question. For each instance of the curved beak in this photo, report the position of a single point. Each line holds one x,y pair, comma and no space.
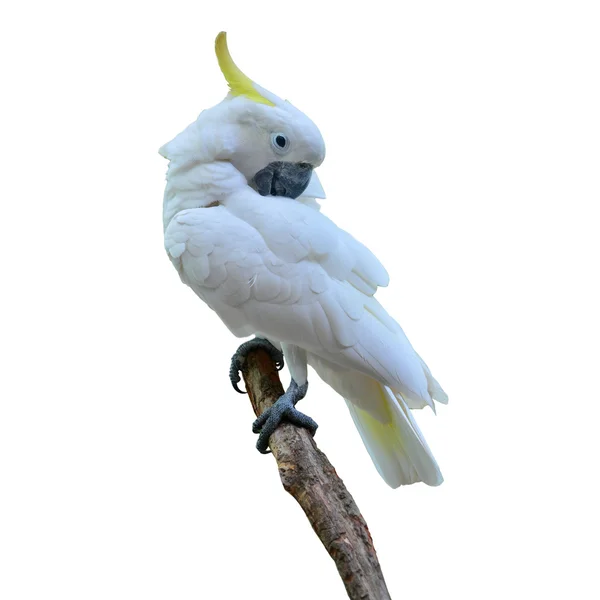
283,179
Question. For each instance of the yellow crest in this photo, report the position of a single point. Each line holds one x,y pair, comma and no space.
239,84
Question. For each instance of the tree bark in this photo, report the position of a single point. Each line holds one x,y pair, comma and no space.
311,479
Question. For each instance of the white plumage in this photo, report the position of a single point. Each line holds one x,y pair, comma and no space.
276,266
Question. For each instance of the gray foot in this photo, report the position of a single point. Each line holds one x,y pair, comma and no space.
237,360
284,410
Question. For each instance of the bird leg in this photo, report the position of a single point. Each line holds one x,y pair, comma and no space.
237,360
283,410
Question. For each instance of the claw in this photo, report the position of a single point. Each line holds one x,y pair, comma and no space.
236,388
283,410
234,375
242,352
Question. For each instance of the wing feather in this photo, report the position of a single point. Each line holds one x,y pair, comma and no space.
279,267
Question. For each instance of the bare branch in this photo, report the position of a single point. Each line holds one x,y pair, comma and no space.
311,479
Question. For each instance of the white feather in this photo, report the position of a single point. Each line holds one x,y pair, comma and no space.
280,267
397,446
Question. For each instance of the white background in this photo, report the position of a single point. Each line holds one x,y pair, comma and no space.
463,148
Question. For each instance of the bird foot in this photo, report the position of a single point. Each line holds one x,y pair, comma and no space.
284,410
237,360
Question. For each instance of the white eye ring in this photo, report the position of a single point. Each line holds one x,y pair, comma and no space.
280,142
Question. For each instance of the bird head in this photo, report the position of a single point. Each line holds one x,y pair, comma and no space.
269,141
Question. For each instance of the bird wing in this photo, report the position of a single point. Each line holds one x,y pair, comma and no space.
279,267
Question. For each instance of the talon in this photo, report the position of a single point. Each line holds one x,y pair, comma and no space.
237,389
234,375
242,352
283,410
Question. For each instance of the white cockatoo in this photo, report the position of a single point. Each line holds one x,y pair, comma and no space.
245,232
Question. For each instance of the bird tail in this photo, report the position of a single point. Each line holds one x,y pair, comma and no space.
396,444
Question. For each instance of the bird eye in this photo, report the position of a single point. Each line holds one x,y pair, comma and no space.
280,143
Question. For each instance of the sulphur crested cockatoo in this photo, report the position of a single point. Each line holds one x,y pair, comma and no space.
245,232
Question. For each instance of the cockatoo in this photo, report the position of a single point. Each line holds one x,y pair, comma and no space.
244,230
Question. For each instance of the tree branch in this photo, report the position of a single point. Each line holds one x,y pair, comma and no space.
311,479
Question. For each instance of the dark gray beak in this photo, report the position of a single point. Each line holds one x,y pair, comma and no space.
283,179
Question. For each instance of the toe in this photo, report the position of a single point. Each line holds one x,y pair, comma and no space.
267,429
262,445
277,358
259,423
269,421
302,420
